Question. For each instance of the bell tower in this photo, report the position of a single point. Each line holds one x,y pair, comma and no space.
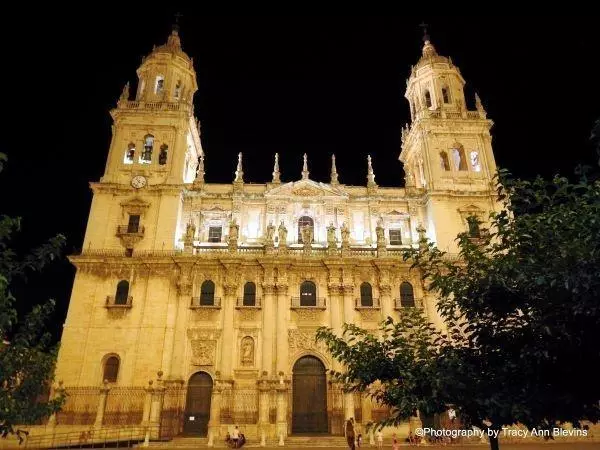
446,149
155,136
153,157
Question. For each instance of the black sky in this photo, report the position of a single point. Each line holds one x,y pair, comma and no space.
268,84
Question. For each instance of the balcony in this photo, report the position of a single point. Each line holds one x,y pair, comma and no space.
130,235
248,304
366,303
130,230
111,302
206,303
415,303
305,303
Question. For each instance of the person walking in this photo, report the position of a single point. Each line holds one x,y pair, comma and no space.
350,433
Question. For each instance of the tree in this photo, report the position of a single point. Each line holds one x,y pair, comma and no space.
27,356
521,308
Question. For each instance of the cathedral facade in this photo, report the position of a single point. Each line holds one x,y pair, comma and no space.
195,305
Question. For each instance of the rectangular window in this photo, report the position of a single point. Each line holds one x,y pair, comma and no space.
395,236
134,223
214,234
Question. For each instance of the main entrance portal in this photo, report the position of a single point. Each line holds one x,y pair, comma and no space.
197,405
309,388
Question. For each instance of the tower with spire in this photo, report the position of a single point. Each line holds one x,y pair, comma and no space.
446,150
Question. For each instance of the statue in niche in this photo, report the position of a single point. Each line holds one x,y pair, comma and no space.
380,232
345,234
247,351
270,233
331,240
190,232
234,229
306,235
282,231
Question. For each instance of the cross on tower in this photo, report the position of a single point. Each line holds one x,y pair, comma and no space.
177,16
424,26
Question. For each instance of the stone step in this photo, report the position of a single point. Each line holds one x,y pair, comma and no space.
290,441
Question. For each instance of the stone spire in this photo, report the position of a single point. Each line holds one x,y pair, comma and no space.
239,173
276,173
479,106
370,173
200,169
334,174
305,168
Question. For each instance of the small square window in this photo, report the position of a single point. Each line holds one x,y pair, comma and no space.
395,236
214,234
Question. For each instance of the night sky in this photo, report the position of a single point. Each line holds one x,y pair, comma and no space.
319,85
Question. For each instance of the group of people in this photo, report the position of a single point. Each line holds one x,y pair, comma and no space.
236,439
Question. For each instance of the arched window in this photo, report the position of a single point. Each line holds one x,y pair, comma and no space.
446,95
122,292
458,156
146,156
427,99
129,153
160,84
110,370
308,294
207,293
177,91
305,221
162,156
444,163
475,163
366,295
407,295
249,294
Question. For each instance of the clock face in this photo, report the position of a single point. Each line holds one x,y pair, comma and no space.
138,181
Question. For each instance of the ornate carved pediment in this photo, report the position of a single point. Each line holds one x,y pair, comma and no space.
306,188
204,345
306,191
134,206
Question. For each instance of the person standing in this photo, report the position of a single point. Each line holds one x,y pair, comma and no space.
379,436
394,442
350,433
235,437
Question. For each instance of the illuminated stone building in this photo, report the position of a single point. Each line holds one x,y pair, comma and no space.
221,286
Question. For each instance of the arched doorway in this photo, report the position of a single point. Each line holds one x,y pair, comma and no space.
197,404
309,403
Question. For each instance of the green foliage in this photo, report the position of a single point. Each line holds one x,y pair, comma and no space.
521,308
27,361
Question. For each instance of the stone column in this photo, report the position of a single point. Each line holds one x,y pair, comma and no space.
282,392
385,293
177,314
283,307
263,408
268,324
336,309
348,292
367,417
104,390
227,337
158,396
214,422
